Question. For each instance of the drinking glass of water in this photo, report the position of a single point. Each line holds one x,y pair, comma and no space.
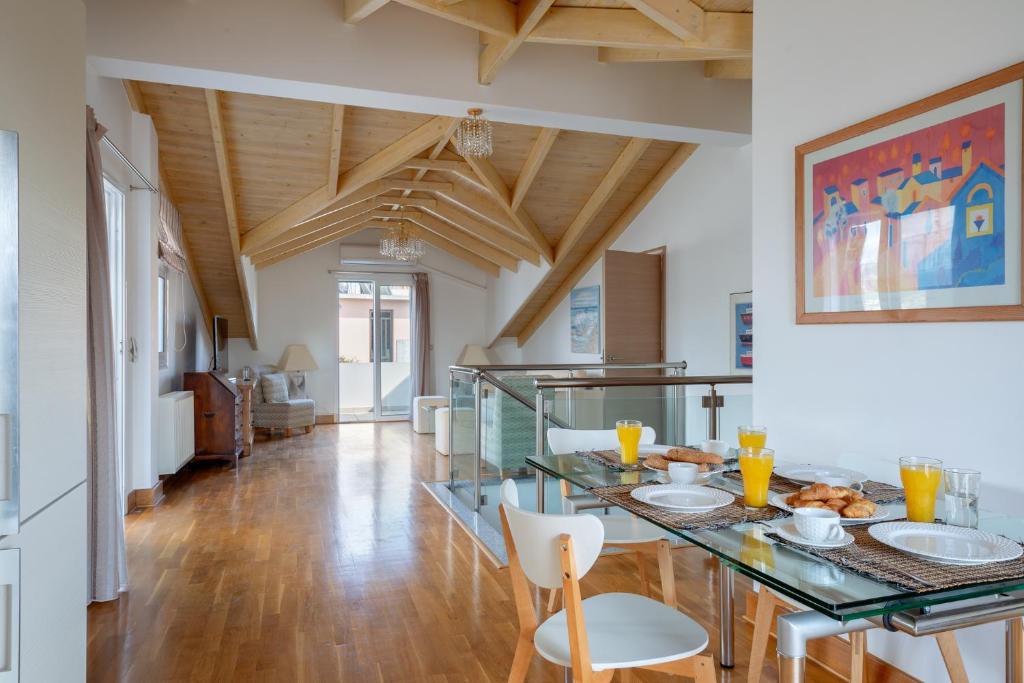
961,488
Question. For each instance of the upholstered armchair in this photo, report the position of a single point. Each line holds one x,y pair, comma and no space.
294,413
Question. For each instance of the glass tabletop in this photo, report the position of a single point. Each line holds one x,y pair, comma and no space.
827,587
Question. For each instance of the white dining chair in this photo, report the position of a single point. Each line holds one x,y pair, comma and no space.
626,532
601,634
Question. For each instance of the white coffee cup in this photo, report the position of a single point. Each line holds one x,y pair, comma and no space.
715,446
818,525
682,472
843,481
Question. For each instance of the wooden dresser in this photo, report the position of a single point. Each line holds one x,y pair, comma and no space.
218,416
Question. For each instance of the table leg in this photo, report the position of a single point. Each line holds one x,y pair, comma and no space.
796,628
540,491
1015,650
725,615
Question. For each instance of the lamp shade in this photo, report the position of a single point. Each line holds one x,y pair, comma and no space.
474,354
297,358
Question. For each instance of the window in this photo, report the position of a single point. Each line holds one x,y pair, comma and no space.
387,335
161,319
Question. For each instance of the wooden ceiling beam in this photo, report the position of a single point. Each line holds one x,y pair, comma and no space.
461,253
135,98
618,55
310,246
461,239
498,50
376,166
613,233
230,207
741,69
503,196
484,207
305,230
682,18
417,185
452,165
534,160
316,237
616,173
435,152
477,228
497,17
357,10
334,168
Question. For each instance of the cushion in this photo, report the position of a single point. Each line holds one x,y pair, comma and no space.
275,387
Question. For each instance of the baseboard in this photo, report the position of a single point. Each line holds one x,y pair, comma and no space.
833,653
145,498
329,419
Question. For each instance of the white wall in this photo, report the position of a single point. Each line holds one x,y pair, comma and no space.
44,101
881,391
702,217
299,305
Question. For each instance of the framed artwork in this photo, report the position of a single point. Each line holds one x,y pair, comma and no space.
915,215
741,333
585,319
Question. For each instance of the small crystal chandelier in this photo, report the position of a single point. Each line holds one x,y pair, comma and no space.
473,136
402,243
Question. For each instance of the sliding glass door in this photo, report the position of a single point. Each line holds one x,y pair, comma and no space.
374,347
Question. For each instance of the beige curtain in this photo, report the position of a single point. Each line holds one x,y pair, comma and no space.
108,573
422,383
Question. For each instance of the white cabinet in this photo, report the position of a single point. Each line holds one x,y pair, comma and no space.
176,432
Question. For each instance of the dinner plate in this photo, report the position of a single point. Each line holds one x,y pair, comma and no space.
787,530
808,474
779,501
946,544
685,498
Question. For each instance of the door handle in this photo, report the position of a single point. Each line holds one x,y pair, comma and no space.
609,359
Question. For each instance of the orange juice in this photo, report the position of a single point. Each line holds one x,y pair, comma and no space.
756,465
753,437
628,432
921,478
756,552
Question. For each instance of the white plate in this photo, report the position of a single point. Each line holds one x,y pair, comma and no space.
687,498
702,477
779,501
649,449
808,474
787,529
946,544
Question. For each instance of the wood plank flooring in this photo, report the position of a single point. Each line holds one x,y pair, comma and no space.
322,558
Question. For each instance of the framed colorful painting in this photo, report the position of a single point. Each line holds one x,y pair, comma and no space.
915,215
585,319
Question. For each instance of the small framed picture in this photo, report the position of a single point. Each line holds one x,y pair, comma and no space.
741,333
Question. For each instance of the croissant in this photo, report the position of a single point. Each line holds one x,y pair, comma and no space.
820,491
859,509
837,504
810,504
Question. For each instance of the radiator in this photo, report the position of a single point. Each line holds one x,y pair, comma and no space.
176,436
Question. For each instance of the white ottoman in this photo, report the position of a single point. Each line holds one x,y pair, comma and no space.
441,433
423,408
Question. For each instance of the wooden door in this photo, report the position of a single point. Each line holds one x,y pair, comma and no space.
633,307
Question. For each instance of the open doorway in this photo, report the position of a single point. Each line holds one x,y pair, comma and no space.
374,348
114,201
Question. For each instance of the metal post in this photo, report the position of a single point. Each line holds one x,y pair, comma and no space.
713,413
1015,650
539,407
725,614
477,434
796,628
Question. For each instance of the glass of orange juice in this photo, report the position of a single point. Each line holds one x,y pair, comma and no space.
921,478
756,465
628,432
753,436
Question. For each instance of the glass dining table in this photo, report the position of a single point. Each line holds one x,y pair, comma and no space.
836,599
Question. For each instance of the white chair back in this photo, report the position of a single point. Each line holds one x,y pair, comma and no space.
536,537
572,440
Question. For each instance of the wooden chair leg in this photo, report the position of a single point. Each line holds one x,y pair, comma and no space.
521,660
762,629
641,566
288,432
951,656
309,428
705,669
626,676
553,601
668,575
858,657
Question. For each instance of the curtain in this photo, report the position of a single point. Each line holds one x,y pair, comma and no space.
108,573
169,236
421,377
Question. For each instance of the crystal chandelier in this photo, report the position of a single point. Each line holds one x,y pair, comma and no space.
473,136
402,243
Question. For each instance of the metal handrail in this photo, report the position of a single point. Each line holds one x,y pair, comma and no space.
656,381
677,365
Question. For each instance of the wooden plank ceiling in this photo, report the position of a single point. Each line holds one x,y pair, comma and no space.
272,178
716,32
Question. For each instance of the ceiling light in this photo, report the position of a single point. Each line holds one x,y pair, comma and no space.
402,243
473,136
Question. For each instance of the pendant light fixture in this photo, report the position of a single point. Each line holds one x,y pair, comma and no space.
473,136
402,243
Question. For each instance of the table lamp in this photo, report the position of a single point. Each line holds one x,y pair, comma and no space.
296,360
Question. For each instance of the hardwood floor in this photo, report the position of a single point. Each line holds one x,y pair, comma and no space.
322,558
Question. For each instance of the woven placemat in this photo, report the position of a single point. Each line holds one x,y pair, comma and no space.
875,560
733,513
612,460
875,491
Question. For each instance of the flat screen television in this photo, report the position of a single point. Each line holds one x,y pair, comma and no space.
220,344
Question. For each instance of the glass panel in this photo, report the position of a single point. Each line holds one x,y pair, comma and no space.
355,334
462,438
395,350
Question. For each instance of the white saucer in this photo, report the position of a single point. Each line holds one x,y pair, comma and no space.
787,530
